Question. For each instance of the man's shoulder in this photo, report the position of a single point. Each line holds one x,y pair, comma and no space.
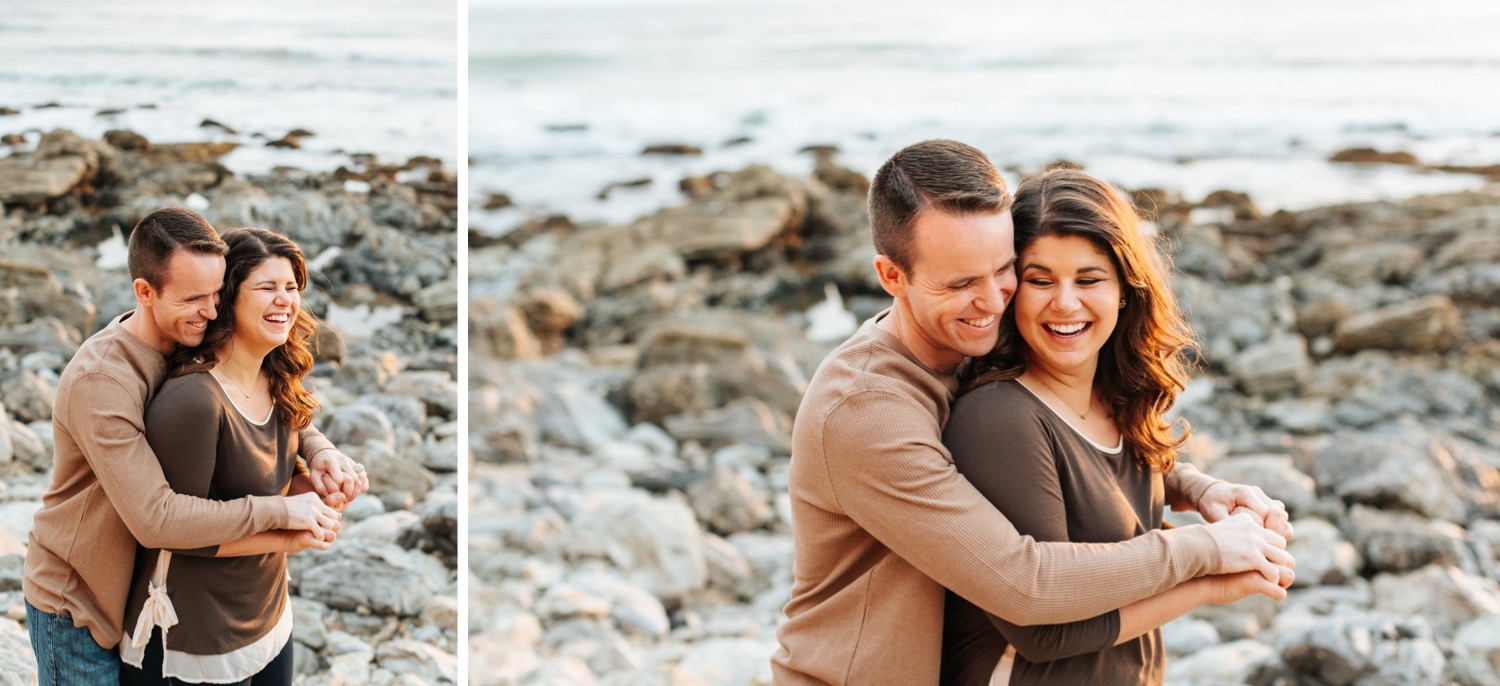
107,355
865,375
868,365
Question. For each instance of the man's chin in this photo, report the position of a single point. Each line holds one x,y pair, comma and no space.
192,341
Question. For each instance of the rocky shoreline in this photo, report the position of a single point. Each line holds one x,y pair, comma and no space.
633,387
381,606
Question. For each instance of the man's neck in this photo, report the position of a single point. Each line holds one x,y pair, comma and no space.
144,329
936,360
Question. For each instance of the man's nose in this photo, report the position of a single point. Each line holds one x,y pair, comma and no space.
992,296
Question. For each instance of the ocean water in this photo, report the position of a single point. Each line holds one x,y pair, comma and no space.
375,76
564,94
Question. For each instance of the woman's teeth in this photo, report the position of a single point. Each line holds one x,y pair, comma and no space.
1065,329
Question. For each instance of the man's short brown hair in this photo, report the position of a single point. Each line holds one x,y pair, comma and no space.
934,175
164,232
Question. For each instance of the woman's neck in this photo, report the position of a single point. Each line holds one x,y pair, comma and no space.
240,364
1076,390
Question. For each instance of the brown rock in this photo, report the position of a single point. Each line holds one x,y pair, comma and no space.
287,142
699,186
1321,316
423,161
498,201
8,111
300,133
820,150
1490,170
757,205
1429,324
633,183
1373,156
189,152
499,330
13,139
126,140
110,112
1244,208
209,123
738,140
28,180
549,312
49,106
839,177
672,149
345,174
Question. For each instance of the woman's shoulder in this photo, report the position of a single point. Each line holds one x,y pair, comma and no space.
1003,405
1008,395
191,389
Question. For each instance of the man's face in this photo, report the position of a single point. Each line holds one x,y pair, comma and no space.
188,297
962,277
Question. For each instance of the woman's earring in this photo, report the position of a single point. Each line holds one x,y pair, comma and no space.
1122,303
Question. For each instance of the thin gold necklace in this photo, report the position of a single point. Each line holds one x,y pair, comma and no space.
1081,415
256,385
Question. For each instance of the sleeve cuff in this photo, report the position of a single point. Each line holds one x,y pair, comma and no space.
1192,551
1186,485
268,512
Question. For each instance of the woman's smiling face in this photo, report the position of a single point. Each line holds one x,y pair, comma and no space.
267,304
1068,302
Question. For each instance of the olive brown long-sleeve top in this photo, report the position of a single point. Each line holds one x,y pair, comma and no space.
108,491
882,522
1054,484
224,606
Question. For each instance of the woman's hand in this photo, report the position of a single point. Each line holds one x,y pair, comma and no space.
334,473
1224,499
1228,588
1245,545
307,512
298,541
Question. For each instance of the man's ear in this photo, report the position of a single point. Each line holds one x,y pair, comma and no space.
143,292
892,278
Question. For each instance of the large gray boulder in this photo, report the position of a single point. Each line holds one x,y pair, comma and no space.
1364,649
1277,364
1410,465
1428,324
376,576
1445,597
654,541
1393,541
1322,555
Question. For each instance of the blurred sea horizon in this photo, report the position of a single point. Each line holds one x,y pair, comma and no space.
1250,97
368,76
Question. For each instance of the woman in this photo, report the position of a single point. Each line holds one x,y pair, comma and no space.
225,425
1075,391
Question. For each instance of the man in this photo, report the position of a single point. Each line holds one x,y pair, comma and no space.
881,520
108,491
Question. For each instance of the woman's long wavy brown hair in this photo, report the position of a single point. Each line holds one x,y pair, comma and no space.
1141,368
290,362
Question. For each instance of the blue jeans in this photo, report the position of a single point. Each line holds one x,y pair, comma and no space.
67,655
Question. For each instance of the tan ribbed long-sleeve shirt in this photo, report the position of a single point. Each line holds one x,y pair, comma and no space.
882,523
108,491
